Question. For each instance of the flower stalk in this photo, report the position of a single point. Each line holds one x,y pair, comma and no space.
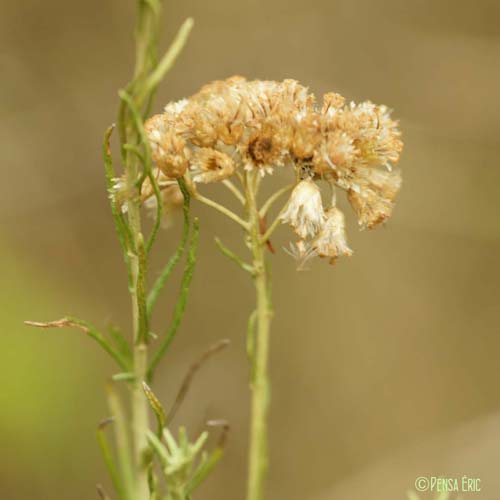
258,461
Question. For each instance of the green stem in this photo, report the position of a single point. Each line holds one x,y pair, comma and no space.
140,424
258,462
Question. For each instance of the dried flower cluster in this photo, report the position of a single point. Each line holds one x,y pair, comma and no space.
259,126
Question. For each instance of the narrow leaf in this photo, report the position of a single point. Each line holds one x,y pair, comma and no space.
108,459
121,226
120,342
90,330
210,461
123,377
154,294
158,448
147,163
156,406
204,469
180,307
169,58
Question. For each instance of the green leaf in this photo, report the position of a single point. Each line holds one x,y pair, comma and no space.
209,461
170,440
207,465
120,342
159,284
159,211
123,377
180,306
91,331
146,161
121,225
108,459
156,406
158,448
168,59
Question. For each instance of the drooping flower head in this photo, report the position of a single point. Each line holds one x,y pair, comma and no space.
331,240
305,209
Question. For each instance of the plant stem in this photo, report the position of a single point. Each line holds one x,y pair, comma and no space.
260,383
140,422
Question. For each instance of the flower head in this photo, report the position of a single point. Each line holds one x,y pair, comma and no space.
210,165
266,146
372,196
248,128
305,209
168,149
331,240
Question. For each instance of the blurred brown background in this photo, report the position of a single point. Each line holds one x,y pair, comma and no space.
384,368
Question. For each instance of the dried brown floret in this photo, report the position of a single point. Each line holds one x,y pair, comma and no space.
168,149
306,136
373,197
210,165
374,133
336,151
267,146
331,103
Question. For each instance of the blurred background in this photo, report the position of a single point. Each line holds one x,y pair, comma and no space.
384,367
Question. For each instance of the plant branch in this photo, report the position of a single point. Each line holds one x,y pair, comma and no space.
235,258
275,196
222,209
234,190
277,221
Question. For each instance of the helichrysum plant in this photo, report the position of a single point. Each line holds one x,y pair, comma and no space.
238,132
146,463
